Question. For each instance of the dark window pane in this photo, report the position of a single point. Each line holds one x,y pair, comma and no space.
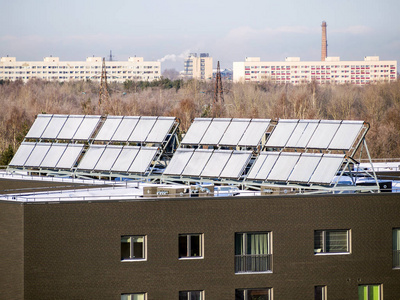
125,249
195,245
239,244
318,241
183,296
195,295
239,295
319,293
183,246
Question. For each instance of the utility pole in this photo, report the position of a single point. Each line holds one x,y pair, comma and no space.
218,93
104,96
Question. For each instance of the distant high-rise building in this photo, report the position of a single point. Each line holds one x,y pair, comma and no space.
330,71
51,68
198,67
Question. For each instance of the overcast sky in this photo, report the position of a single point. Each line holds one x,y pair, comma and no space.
167,30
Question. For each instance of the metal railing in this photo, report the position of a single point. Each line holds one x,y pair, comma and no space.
253,263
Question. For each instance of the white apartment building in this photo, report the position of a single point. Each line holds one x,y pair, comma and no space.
198,67
330,71
51,68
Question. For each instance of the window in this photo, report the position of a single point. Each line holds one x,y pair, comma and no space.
253,294
320,292
136,296
133,247
191,295
369,292
253,252
396,248
331,241
190,245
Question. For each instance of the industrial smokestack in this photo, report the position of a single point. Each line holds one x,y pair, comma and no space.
324,48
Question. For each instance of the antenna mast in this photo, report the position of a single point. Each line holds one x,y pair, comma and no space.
219,93
104,96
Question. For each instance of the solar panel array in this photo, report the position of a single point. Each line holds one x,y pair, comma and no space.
296,167
114,129
47,155
208,163
98,144
315,134
63,127
226,132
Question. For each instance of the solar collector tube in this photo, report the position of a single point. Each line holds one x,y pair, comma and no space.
70,127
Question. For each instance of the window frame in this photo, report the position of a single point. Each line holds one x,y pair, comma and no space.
369,286
323,250
241,259
323,292
246,291
132,257
129,295
189,246
189,294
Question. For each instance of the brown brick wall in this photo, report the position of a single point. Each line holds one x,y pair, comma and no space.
72,250
11,251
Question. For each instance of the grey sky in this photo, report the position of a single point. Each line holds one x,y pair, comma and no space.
228,30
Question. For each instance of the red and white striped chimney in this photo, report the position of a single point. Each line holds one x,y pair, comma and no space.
324,48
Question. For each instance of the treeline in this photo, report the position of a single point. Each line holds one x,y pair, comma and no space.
377,104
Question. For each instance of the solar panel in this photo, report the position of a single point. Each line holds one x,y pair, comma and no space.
70,156
87,128
281,134
125,129
37,155
143,159
179,161
108,129
234,132
70,127
91,157
54,127
38,126
305,167
236,164
197,162
196,131
108,158
302,133
23,152
125,159
263,165
216,163
323,134
53,155
283,167
346,135
160,130
327,168
215,131
142,129
254,132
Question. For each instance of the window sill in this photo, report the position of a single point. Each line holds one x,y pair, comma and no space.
247,273
132,260
396,268
331,253
191,258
